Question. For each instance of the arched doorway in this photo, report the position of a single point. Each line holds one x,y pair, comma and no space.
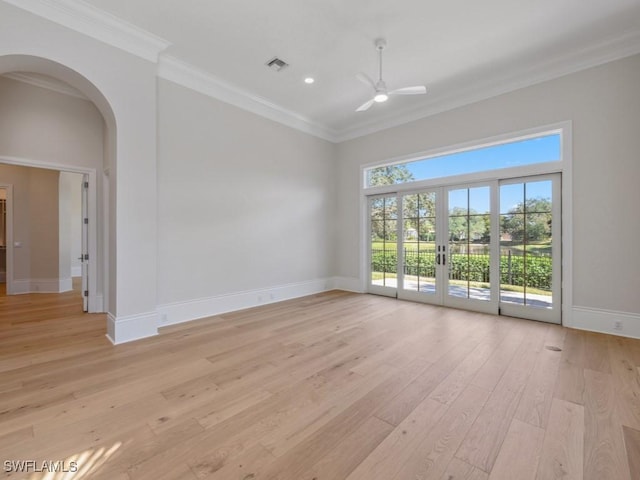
34,152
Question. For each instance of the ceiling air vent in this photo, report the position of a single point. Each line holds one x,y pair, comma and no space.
277,64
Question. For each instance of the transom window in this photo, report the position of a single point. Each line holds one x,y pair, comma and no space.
516,153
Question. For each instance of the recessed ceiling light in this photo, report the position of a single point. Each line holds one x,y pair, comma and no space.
309,80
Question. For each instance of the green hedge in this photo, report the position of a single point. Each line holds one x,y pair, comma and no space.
474,267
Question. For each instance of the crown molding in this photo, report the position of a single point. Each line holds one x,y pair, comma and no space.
182,73
497,83
38,81
98,24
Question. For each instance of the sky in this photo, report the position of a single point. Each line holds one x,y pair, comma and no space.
524,152
515,154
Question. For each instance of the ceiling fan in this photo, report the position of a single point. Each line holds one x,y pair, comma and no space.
381,94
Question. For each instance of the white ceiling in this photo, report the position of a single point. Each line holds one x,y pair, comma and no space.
463,50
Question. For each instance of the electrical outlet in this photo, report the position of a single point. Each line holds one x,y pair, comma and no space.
617,325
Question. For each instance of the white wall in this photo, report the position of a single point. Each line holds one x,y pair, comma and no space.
604,105
245,204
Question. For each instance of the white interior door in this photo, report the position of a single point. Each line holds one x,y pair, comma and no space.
84,256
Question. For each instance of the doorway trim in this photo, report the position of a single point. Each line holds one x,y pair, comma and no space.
96,302
9,237
564,166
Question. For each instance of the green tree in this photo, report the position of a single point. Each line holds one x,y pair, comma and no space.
529,221
384,211
468,226
389,175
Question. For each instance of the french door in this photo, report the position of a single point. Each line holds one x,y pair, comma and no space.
492,247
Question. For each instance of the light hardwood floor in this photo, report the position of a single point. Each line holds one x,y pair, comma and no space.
328,387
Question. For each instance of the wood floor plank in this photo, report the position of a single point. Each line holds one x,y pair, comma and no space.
350,451
248,465
520,453
632,444
570,379
605,457
456,381
431,456
535,403
459,470
389,457
626,381
563,448
490,373
300,459
596,352
398,409
484,441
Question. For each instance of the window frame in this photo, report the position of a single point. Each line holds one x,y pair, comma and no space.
560,129
564,166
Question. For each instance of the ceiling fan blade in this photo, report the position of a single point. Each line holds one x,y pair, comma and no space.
365,106
366,79
417,90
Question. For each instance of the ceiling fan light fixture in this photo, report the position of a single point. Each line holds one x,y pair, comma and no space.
380,92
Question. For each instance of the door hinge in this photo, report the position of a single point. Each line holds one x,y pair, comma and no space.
86,184
86,221
86,293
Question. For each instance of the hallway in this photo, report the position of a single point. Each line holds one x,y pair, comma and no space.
43,327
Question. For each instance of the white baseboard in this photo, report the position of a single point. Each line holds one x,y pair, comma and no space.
76,271
604,321
20,286
131,327
41,285
179,312
45,285
96,303
348,284
65,285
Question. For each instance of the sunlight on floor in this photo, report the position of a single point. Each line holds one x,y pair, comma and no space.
78,466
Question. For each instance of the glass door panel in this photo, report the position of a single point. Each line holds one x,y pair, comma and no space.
419,243
383,245
529,248
469,247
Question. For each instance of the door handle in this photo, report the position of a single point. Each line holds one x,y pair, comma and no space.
444,259
438,259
